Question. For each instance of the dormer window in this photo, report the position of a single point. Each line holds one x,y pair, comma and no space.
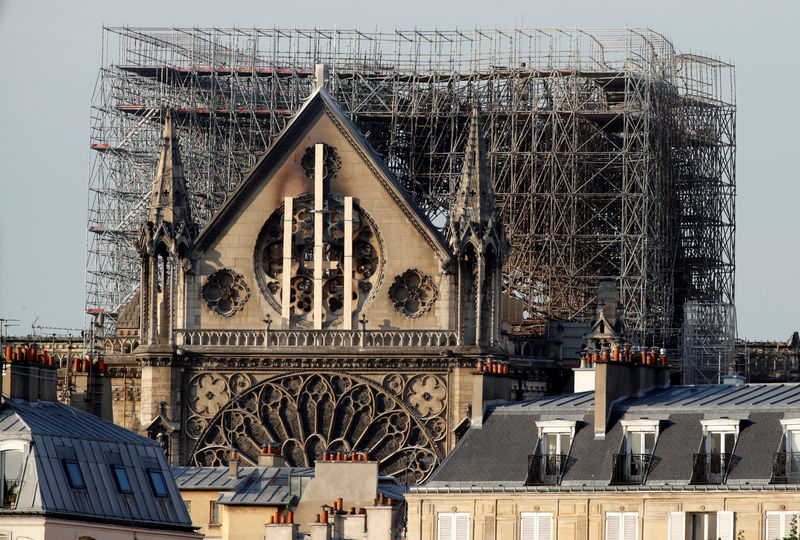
786,463
548,463
712,463
633,462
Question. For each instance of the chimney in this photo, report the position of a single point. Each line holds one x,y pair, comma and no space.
615,381
270,456
234,464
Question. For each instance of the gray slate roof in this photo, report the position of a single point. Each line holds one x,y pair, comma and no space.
255,486
55,433
497,454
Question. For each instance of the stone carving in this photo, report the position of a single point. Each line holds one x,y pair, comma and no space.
309,412
413,293
394,383
427,394
366,260
225,292
331,162
208,393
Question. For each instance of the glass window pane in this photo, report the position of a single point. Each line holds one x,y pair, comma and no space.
121,476
715,446
564,443
636,443
74,474
730,439
157,481
12,471
793,438
551,443
649,442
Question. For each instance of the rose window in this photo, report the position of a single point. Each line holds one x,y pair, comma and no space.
269,264
412,293
225,292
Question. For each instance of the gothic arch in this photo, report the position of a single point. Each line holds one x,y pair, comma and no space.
310,411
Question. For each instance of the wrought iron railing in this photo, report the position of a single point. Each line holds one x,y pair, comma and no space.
630,468
545,469
786,468
317,338
711,468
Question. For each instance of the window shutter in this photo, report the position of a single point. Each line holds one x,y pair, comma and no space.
774,525
545,528
528,526
613,526
630,526
461,527
677,526
725,525
445,527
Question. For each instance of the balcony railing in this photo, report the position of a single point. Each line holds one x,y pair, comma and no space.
711,468
786,468
630,468
317,338
545,469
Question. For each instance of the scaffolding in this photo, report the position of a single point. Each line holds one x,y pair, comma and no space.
709,341
612,154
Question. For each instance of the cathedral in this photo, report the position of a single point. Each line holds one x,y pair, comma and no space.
318,310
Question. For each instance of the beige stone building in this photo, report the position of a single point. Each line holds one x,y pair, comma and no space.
333,499
629,458
318,308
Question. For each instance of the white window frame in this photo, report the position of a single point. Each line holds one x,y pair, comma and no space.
679,524
453,517
721,426
537,518
556,427
643,425
790,425
784,523
623,534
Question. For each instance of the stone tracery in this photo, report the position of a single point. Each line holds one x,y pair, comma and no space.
366,259
311,412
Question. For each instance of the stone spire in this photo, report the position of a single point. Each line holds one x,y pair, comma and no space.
473,213
169,218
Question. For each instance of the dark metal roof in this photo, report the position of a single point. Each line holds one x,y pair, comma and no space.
53,433
254,486
495,455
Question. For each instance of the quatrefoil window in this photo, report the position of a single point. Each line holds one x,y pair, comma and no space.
225,292
412,293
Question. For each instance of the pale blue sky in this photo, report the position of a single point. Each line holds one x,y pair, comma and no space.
50,56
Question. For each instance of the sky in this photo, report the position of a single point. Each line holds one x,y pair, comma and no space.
50,54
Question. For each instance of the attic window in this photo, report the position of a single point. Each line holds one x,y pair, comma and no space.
74,474
121,476
11,467
157,483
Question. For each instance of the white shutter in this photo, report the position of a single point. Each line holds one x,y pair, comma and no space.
677,526
725,525
462,527
613,526
630,526
774,525
779,524
445,531
545,528
527,527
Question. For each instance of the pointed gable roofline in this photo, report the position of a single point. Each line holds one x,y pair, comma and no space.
320,101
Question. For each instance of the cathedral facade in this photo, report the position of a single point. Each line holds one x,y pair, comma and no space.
318,310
